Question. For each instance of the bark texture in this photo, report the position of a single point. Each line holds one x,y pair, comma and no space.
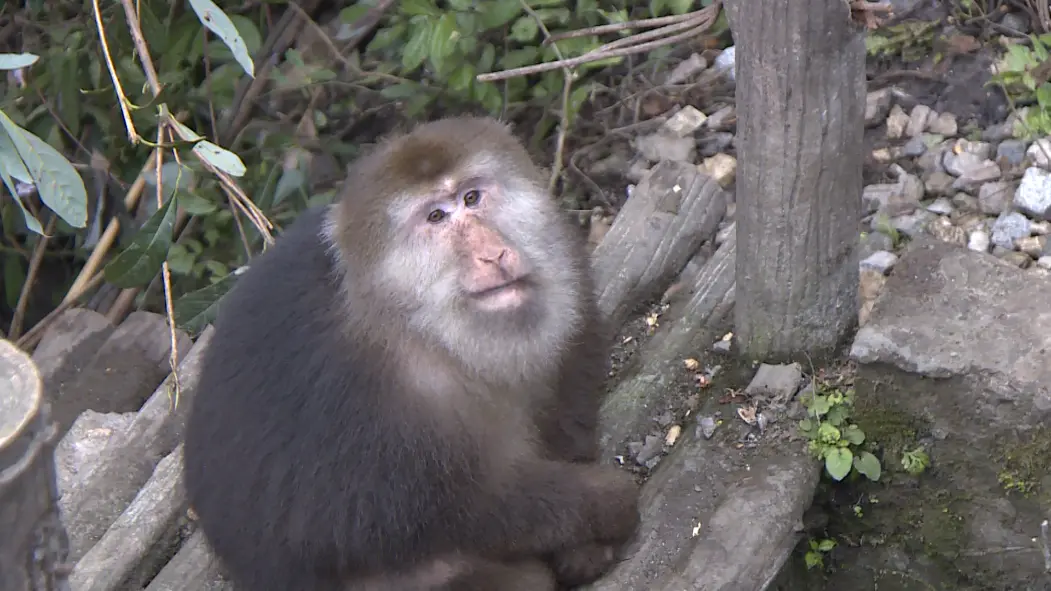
800,68
33,544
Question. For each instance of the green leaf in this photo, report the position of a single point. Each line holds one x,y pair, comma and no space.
1043,95
416,48
31,222
499,13
291,181
525,29
220,158
57,182
420,8
1038,49
488,58
386,37
11,163
352,13
195,310
180,259
400,91
462,78
519,57
212,17
139,263
15,61
854,435
826,545
194,204
174,176
443,41
680,6
868,465
838,462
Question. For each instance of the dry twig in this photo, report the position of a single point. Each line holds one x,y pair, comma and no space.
692,23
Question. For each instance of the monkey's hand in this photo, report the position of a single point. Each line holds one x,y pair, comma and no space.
583,564
614,498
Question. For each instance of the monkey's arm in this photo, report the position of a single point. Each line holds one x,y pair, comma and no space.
570,430
552,505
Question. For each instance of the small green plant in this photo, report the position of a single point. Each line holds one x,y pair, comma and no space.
915,461
832,435
815,556
1022,73
911,41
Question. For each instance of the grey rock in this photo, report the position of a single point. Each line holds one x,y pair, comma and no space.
918,119
1011,152
1044,261
979,241
638,170
981,149
685,121
999,132
706,426
897,120
725,119
1018,259
714,143
993,198
1016,22
941,206
873,242
1034,193
914,147
939,182
882,261
943,124
912,224
1040,153
776,382
1007,228
1040,227
1032,245
877,105
943,229
964,202
962,163
649,450
659,146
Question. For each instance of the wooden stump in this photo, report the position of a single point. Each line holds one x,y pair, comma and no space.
33,542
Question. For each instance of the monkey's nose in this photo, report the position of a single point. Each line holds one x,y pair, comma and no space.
495,257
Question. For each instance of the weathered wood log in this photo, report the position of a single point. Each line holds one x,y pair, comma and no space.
115,375
717,516
672,212
194,567
33,542
641,396
69,344
142,539
130,459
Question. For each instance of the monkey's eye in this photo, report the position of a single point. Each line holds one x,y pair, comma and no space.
472,197
436,216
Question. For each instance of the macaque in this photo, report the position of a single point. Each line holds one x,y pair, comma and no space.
402,393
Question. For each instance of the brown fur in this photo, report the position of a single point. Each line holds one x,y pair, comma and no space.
370,417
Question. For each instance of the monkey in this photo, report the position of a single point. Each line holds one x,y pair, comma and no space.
402,393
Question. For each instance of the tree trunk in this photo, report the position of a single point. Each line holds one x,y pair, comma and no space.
800,69
33,542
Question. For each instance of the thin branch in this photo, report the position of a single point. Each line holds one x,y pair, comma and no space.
31,273
698,22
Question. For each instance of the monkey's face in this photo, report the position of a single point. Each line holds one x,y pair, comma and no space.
465,249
